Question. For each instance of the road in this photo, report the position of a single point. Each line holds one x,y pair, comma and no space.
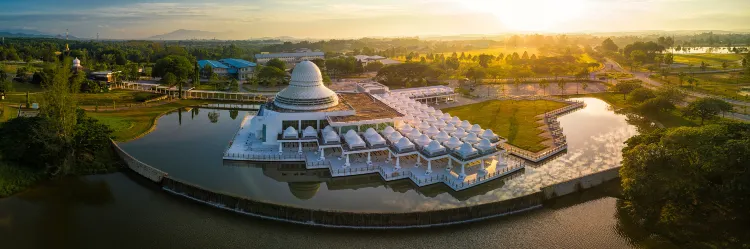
644,76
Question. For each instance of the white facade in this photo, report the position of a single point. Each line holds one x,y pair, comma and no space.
291,59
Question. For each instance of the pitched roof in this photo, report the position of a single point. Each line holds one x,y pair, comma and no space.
238,63
214,64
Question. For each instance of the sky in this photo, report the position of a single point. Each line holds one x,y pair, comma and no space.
245,19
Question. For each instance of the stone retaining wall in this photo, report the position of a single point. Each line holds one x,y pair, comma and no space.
329,218
580,183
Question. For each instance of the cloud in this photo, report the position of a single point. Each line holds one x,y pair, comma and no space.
348,18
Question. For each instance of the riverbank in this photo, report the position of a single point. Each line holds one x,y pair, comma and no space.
16,179
672,118
133,123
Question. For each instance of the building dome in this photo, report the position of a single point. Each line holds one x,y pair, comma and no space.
304,190
306,91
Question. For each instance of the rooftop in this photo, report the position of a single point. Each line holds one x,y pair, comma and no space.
214,64
367,108
277,55
238,63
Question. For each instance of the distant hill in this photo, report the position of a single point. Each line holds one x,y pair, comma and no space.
185,34
29,33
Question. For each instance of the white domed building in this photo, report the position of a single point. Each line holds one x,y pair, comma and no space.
306,118
307,104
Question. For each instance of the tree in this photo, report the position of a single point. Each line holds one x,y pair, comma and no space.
656,104
585,85
169,79
706,108
6,85
544,83
640,95
638,56
681,76
626,87
669,59
374,66
561,85
208,70
672,94
475,73
178,65
60,106
724,65
275,62
452,63
484,60
233,114
234,85
692,81
689,185
609,45
271,75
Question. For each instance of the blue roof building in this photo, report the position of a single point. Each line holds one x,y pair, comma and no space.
230,67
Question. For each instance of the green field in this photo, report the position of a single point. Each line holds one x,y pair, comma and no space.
117,97
131,123
7,111
722,84
713,60
514,120
19,87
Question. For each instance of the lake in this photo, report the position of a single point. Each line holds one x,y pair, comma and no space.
122,210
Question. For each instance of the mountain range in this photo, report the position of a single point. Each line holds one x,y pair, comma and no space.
31,33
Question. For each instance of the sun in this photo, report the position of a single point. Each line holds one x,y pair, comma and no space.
530,15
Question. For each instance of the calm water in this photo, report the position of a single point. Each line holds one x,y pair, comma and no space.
122,210
191,150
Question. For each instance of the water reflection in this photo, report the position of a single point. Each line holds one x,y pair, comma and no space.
304,184
58,204
192,152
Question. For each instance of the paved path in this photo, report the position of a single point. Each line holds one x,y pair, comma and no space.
644,76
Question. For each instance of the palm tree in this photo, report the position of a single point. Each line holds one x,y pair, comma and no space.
585,85
561,85
543,85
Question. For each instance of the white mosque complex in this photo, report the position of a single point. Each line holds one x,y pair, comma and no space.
394,133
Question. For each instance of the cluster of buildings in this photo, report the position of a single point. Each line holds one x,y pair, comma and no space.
229,68
397,130
243,70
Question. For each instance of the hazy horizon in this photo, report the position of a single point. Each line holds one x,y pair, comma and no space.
325,19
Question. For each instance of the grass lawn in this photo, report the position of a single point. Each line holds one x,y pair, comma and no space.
514,120
723,84
117,96
15,179
7,111
129,124
615,75
713,60
21,87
